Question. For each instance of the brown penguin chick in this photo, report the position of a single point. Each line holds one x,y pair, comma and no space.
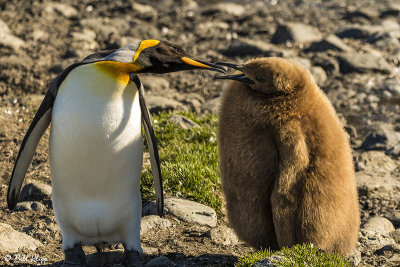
285,161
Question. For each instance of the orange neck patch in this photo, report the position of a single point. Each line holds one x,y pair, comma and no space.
143,45
118,70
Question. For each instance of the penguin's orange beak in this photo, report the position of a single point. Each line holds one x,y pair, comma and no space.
197,64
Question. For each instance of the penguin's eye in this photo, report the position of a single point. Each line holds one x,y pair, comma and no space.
175,49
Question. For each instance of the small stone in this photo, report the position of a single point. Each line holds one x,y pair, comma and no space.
159,103
319,75
224,236
7,39
183,122
355,257
225,7
191,212
35,191
396,235
153,221
379,224
256,48
329,64
296,33
358,31
11,240
29,205
274,260
329,43
144,11
152,83
149,250
161,261
395,248
212,106
369,12
363,63
391,9
61,9
383,137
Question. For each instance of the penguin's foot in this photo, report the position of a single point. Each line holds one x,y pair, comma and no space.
74,257
132,258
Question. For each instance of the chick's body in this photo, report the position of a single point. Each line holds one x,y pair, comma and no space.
285,161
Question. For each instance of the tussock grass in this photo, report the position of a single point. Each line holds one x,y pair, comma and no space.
189,161
298,255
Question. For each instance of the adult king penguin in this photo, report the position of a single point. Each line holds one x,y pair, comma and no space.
96,108
285,160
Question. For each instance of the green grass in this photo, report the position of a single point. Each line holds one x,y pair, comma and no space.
299,255
189,161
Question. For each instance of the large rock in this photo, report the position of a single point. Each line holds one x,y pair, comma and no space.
379,224
153,221
191,212
331,42
11,240
363,63
296,33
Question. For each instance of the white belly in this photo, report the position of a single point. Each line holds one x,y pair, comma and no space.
96,150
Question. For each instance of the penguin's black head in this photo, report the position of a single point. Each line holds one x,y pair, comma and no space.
155,56
270,76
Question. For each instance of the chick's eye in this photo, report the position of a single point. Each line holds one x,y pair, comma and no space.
258,78
175,49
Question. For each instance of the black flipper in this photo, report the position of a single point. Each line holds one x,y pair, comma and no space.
37,128
153,150
35,131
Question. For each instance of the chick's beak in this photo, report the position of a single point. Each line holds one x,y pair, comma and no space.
197,64
241,77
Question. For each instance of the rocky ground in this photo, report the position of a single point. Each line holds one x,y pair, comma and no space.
351,47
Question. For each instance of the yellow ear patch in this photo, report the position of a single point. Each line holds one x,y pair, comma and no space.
194,62
143,45
118,70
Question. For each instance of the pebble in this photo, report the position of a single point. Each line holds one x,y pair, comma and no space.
319,75
29,205
351,62
61,9
331,42
183,122
212,106
369,12
191,212
296,33
223,235
7,39
145,12
150,222
358,31
225,7
256,48
35,191
379,224
382,137
11,240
